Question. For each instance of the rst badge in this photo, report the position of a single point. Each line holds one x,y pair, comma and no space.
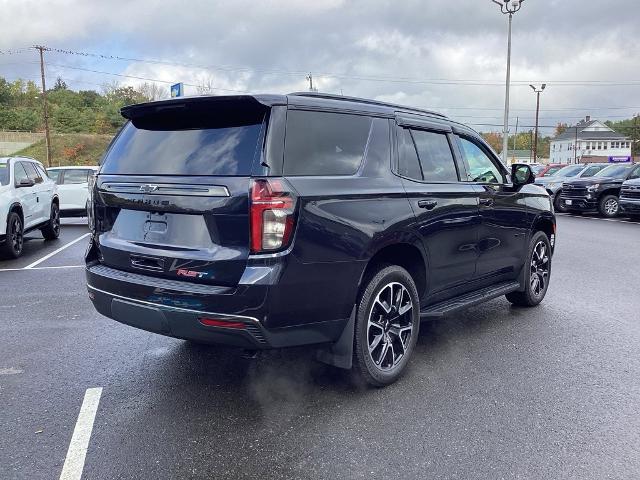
183,272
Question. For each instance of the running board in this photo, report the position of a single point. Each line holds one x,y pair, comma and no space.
468,299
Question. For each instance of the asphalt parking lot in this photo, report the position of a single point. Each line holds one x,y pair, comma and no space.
494,392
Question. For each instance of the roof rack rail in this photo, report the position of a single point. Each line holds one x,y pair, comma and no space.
367,101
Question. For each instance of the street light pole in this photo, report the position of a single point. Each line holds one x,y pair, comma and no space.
507,7
535,142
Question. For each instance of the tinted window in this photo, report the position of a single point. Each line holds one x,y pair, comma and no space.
226,150
435,156
635,174
551,171
614,171
4,173
409,164
480,167
570,171
74,176
32,172
20,173
591,171
319,143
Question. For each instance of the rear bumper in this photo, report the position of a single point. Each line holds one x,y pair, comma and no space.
176,309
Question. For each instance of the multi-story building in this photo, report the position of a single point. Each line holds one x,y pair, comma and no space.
590,141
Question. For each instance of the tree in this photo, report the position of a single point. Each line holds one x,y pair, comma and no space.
494,140
561,128
60,84
205,87
151,91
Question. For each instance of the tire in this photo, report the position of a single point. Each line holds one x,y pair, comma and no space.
557,204
539,265
51,230
393,335
608,206
12,246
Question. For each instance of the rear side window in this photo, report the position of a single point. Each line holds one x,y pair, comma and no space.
321,143
435,156
193,140
74,176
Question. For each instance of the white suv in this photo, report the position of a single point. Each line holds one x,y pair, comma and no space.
73,188
28,200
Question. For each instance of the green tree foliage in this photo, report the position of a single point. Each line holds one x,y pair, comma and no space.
630,128
70,111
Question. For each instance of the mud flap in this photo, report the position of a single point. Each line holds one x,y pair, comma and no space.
340,353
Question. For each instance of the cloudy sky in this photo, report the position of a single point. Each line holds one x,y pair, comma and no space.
448,56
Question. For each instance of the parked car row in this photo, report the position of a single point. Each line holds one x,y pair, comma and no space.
28,201
610,190
33,198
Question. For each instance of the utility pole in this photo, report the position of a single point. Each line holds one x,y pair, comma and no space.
515,136
535,141
45,108
310,78
507,7
575,146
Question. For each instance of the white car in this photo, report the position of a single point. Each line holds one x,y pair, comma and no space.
28,200
73,188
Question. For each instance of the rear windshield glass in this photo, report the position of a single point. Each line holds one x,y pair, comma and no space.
185,143
4,173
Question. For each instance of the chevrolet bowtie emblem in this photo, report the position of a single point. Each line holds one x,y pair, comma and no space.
148,188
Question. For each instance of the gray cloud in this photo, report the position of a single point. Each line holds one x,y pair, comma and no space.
554,41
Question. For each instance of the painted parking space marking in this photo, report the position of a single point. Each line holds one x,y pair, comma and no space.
616,220
48,256
54,267
74,462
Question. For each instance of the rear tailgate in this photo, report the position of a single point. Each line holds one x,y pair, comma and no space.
171,199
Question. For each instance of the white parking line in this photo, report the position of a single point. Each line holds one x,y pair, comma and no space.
616,220
47,257
74,463
39,268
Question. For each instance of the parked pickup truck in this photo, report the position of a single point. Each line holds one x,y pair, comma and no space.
600,192
630,198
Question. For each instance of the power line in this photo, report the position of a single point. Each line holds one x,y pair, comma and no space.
435,81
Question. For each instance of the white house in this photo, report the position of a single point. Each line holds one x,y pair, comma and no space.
590,141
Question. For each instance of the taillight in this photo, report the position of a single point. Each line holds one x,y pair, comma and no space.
272,214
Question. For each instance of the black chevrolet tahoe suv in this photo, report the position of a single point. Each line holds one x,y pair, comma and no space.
269,221
599,193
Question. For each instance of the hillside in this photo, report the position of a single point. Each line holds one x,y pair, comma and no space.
70,149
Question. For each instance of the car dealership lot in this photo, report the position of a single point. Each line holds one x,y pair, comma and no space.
493,392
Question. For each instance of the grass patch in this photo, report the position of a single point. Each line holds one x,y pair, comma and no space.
69,149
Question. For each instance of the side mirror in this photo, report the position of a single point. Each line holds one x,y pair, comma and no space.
26,182
521,174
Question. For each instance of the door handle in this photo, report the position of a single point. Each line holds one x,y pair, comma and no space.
486,202
428,204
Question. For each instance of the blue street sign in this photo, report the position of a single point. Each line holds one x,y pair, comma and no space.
619,159
177,90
